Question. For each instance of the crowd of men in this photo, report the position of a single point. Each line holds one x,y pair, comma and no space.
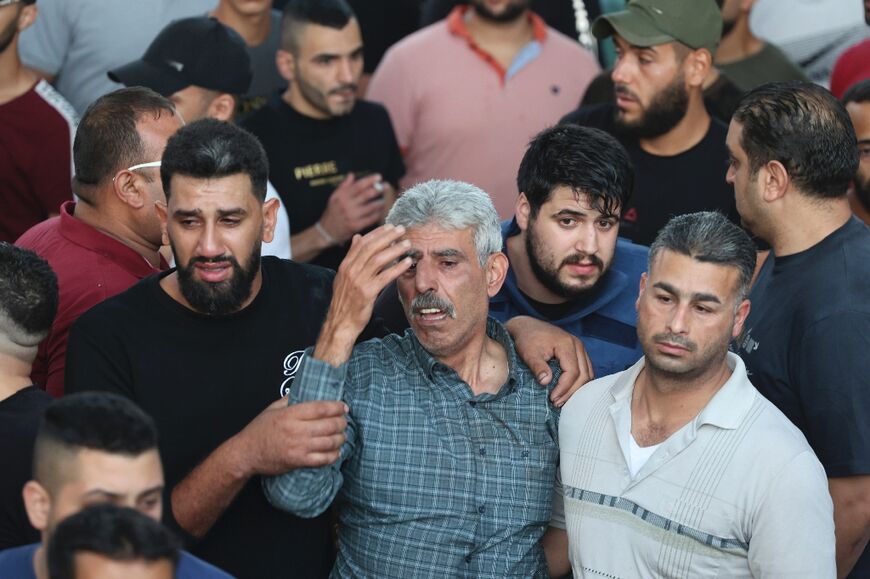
478,309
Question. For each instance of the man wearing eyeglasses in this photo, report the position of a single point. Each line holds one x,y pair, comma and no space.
36,128
109,239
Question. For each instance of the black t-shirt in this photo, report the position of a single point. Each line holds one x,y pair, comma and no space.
309,157
20,415
806,345
667,186
203,379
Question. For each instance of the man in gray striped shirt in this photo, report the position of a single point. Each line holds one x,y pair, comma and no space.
678,467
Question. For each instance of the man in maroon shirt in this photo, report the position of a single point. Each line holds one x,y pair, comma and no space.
110,239
36,128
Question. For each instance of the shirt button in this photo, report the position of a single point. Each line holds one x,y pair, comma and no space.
482,452
481,509
473,403
525,454
468,558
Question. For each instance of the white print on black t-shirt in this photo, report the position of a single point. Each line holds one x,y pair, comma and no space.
291,365
749,345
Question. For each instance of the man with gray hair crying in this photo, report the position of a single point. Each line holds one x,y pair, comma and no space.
451,445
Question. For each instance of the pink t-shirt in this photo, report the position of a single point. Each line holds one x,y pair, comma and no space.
458,115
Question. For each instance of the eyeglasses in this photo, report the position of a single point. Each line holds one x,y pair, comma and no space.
134,167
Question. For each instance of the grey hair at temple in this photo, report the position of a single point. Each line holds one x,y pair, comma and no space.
451,205
709,237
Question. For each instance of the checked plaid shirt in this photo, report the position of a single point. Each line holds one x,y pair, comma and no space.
433,481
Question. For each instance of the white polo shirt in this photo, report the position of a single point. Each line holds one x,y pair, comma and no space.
737,492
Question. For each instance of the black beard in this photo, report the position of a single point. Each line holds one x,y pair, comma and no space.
511,12
727,27
665,111
222,298
550,279
862,190
8,35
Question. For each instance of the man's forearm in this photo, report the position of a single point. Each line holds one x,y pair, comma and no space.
308,244
204,494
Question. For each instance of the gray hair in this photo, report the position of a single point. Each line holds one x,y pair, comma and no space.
708,237
451,205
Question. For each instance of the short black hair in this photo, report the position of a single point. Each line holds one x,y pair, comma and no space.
208,149
101,421
709,237
28,295
117,533
298,13
106,139
803,126
589,161
857,93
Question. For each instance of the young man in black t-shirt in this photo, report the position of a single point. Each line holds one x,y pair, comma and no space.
805,342
677,148
28,303
209,348
333,159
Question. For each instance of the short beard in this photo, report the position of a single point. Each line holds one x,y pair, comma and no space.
8,34
666,109
221,298
510,14
549,278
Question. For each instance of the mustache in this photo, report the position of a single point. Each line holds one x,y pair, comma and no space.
343,87
666,337
431,300
624,91
579,258
219,259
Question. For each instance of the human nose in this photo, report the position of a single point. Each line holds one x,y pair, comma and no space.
621,73
587,242
345,71
210,244
679,321
424,278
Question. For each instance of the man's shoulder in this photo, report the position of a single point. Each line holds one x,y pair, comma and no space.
630,258
265,119
17,562
419,41
597,116
43,238
581,402
370,112
136,302
304,277
191,567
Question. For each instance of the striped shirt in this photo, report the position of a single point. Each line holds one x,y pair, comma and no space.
433,481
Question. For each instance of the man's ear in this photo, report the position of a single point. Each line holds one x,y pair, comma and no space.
27,16
163,215
127,188
522,211
740,317
271,207
640,290
696,67
286,64
37,502
496,272
222,107
775,181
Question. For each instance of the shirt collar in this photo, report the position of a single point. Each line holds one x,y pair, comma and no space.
725,410
82,234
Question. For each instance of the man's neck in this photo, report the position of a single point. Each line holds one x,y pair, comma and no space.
690,131
115,228
807,223
740,43
14,368
662,404
40,561
15,79
503,40
527,281
482,364
297,102
254,28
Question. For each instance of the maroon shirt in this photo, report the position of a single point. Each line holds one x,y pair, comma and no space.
36,132
90,267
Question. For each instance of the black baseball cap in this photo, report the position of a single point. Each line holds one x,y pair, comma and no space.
191,52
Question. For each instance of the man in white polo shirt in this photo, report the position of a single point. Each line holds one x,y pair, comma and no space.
678,467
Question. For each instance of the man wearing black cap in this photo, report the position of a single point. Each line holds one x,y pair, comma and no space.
664,54
203,67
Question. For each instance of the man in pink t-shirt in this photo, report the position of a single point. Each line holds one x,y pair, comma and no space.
467,94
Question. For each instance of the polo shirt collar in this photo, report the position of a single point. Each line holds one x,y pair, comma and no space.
456,26
725,410
78,232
